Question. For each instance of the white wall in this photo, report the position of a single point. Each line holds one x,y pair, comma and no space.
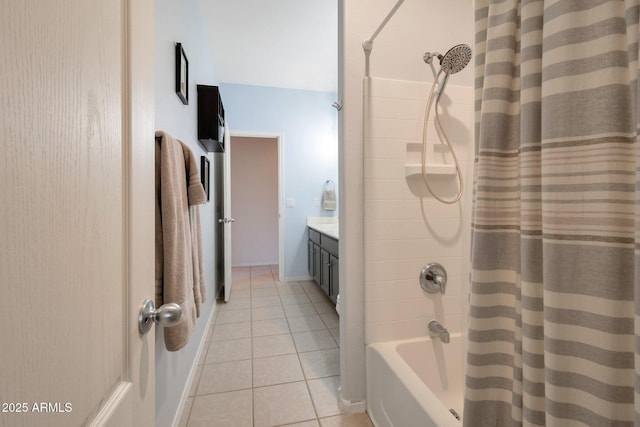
308,125
417,27
254,201
182,22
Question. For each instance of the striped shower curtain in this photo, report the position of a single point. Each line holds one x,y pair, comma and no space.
554,326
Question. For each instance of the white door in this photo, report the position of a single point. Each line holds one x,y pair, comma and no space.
228,280
76,212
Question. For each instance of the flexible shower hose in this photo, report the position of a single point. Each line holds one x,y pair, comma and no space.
440,130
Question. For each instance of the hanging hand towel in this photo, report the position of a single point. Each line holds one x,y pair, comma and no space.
329,196
178,272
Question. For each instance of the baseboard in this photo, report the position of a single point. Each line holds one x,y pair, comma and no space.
297,278
192,373
254,264
348,406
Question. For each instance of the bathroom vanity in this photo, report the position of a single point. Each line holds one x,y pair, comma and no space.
322,256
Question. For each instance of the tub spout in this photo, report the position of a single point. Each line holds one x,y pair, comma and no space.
436,328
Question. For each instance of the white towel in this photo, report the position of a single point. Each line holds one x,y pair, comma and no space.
329,198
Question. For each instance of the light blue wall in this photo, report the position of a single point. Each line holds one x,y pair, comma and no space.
182,22
309,125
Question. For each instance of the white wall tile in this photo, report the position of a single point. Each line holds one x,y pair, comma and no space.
405,227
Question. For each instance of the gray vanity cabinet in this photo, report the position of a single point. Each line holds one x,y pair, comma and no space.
313,256
322,260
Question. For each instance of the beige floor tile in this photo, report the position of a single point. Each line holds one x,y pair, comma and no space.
261,278
312,423
233,316
309,284
269,301
270,327
347,420
324,306
313,340
282,404
335,333
331,319
264,290
231,331
184,417
262,283
276,370
230,350
273,345
240,293
241,282
306,323
318,297
233,409
313,291
322,363
295,299
260,269
324,392
227,376
236,303
298,310
266,313
240,272
290,289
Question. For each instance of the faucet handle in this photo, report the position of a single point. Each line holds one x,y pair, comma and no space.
433,278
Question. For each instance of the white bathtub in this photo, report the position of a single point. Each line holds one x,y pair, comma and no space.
415,382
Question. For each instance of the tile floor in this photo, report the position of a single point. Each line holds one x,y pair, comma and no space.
272,358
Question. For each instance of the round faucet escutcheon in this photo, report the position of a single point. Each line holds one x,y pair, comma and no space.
433,278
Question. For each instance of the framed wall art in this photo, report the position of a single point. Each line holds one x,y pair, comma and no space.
182,74
204,174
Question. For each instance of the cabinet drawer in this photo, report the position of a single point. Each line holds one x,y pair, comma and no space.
329,244
314,236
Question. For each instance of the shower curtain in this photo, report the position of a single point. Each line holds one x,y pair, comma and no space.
554,331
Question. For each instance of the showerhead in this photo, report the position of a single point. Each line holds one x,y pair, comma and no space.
455,59
451,62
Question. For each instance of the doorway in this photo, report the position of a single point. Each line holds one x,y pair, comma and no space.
256,200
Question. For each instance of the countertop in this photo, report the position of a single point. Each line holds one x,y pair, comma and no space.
325,225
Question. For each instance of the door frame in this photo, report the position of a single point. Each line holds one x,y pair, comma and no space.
280,144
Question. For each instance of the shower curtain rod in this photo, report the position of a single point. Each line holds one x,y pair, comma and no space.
367,44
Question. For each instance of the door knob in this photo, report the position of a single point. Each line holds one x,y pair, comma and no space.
166,315
225,220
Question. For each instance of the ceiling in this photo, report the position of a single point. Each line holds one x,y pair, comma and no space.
280,43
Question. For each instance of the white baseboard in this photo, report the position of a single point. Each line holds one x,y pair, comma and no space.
192,373
297,278
348,406
255,264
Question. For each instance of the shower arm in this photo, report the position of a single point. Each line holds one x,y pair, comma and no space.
367,44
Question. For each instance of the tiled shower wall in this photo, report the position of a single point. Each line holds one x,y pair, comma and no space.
405,227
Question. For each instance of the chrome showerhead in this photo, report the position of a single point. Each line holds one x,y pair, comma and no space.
455,59
451,62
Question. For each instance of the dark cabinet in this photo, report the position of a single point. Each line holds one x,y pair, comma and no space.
323,263
210,119
334,281
313,261
325,277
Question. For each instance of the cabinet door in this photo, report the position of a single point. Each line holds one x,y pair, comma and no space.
325,276
334,274
310,254
317,269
